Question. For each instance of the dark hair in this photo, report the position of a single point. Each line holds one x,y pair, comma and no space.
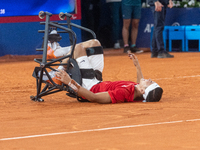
154,95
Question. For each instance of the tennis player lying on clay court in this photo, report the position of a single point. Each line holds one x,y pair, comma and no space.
95,90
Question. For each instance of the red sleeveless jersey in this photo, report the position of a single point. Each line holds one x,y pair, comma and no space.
119,91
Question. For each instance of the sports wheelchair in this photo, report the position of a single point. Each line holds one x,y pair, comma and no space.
43,87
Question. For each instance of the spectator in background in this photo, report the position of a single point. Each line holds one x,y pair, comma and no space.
90,11
131,11
115,10
158,8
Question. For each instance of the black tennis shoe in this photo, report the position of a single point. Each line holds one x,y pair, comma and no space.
136,50
154,55
165,55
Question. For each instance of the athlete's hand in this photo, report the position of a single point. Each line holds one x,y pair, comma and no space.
170,5
63,76
158,6
137,65
134,59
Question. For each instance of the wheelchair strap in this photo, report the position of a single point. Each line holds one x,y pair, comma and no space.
90,74
94,50
87,73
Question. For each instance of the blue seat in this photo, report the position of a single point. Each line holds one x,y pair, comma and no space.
177,33
192,33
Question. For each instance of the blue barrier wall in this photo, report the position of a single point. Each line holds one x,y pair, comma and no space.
174,16
23,38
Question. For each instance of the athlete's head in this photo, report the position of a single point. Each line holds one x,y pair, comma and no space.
150,90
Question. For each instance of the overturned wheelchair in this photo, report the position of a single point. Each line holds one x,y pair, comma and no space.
48,86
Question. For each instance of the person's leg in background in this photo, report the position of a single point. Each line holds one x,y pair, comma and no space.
125,34
131,15
159,23
115,9
157,40
136,15
126,13
134,31
154,52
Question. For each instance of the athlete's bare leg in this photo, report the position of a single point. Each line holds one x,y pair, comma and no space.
80,48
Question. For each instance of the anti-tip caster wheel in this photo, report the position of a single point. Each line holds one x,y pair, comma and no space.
33,98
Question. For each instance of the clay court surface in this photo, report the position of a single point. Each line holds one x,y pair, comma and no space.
63,123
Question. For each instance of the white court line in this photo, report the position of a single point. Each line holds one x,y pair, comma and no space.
193,76
94,130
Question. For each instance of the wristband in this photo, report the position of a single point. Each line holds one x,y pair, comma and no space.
74,85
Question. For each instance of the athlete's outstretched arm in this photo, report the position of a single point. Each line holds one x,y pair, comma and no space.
102,97
137,65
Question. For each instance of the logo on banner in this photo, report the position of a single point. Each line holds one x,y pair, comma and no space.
148,28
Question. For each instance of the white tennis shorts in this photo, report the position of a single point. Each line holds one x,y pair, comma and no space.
95,62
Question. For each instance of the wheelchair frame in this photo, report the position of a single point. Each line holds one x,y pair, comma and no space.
52,87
